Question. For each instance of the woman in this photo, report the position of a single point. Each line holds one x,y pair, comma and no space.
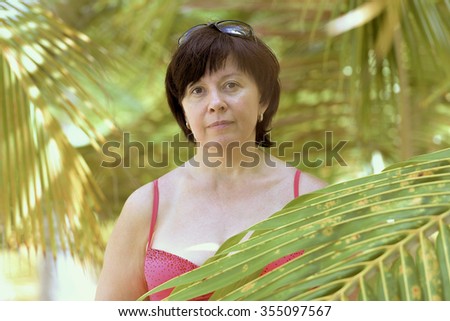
223,89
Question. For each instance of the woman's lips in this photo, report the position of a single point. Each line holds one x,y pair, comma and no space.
220,124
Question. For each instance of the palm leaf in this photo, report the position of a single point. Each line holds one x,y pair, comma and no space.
359,238
48,195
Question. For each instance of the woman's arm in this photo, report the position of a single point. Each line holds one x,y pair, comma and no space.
122,276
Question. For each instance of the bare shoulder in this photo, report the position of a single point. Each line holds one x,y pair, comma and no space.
139,203
122,276
309,183
136,212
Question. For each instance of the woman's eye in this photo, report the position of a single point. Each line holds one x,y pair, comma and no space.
197,90
231,85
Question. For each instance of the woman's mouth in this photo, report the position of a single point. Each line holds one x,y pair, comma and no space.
220,124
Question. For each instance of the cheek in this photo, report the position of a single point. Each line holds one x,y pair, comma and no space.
251,109
192,115
187,111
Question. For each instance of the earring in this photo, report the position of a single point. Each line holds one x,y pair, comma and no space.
261,117
188,126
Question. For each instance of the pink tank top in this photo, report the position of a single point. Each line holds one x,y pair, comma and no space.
161,266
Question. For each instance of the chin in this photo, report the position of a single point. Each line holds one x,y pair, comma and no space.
225,142
233,142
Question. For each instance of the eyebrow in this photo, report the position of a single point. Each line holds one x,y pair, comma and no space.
232,74
239,74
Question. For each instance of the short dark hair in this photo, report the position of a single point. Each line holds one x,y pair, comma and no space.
209,48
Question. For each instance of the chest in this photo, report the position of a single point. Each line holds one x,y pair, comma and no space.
218,217
194,222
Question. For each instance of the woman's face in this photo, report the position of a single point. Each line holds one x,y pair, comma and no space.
223,106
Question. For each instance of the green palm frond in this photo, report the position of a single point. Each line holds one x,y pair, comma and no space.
374,237
48,195
402,55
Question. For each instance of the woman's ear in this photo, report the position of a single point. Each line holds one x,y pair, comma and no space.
263,108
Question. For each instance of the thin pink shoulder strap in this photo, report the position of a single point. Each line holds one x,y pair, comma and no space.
154,212
296,181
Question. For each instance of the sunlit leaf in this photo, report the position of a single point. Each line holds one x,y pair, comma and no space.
408,277
429,273
443,253
386,286
48,195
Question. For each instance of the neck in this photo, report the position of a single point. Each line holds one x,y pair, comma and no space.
230,161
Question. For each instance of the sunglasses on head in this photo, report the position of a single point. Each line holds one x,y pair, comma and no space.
230,27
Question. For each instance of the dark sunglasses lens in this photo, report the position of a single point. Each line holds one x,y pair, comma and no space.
230,27
235,28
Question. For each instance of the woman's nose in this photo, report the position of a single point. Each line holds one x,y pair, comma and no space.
217,101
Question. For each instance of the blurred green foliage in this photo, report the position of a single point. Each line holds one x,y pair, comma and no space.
382,83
